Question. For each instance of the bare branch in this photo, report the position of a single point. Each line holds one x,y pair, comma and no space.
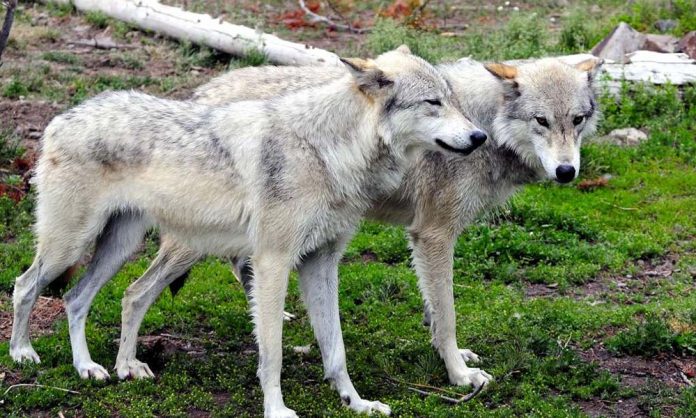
11,5
685,379
330,23
454,398
36,385
101,43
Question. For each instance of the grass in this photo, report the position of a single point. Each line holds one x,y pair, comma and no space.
549,235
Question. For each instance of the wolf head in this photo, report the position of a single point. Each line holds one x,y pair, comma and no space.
418,107
548,107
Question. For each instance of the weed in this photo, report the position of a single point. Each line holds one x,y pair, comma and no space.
97,19
252,58
650,337
15,89
199,56
61,57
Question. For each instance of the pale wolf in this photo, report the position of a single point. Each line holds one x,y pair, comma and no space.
272,179
537,114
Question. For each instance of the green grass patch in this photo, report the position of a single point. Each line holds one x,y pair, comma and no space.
653,336
61,57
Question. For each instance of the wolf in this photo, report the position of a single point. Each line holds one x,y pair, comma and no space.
536,114
276,180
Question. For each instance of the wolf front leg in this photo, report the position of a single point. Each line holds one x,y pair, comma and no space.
269,288
433,252
318,275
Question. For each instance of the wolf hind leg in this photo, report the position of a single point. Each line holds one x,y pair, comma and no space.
62,240
120,239
172,261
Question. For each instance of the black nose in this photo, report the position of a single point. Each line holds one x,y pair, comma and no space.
565,173
478,138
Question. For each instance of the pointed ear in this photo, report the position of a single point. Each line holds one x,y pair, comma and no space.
591,66
368,77
404,49
502,71
506,74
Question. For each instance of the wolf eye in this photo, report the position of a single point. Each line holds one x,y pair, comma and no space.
434,102
542,121
578,120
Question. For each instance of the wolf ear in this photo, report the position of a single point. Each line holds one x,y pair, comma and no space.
506,74
502,71
368,77
591,66
404,49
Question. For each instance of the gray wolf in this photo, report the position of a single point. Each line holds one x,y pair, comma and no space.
537,114
277,180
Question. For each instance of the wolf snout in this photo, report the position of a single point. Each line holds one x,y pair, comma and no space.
565,173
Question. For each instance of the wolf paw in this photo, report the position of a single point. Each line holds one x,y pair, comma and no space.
471,376
281,412
90,369
469,356
24,354
134,369
363,406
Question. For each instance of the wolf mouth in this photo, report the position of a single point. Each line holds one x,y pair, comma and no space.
463,151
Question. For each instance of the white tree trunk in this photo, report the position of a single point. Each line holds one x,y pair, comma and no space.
205,30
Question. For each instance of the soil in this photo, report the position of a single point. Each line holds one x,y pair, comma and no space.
651,275
45,313
643,375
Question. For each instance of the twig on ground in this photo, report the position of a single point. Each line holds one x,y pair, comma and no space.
10,5
439,392
335,9
422,7
330,23
36,385
685,379
101,44
617,207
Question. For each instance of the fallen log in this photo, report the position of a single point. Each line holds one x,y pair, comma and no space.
202,29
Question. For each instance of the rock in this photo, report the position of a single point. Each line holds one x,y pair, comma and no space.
621,41
687,44
665,25
661,43
627,137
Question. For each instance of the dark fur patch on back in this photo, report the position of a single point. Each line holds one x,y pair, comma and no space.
273,166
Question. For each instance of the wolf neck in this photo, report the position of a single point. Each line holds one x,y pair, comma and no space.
341,124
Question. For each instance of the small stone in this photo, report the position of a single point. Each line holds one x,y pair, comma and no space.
629,136
661,43
665,25
302,349
626,137
687,44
